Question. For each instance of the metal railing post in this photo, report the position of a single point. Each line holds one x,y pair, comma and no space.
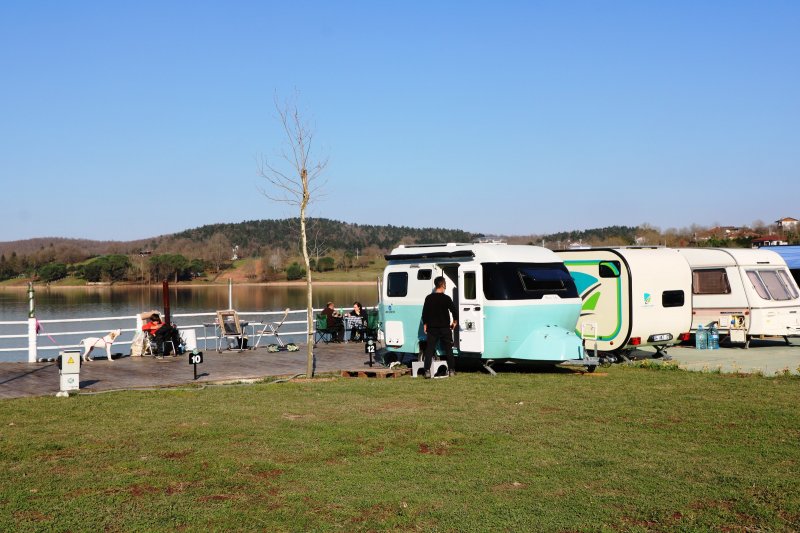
32,348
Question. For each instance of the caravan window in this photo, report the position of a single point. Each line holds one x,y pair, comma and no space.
609,269
777,290
424,273
788,282
470,290
710,281
523,281
758,285
397,284
672,299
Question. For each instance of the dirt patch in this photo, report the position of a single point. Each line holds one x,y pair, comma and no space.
379,512
269,474
177,488
140,490
441,448
176,455
32,516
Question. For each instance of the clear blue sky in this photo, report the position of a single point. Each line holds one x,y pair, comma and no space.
125,120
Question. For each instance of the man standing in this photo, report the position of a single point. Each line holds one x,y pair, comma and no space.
438,326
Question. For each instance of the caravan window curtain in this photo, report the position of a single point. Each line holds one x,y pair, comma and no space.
710,281
788,282
774,285
758,285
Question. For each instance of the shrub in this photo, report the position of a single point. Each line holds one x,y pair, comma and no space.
295,271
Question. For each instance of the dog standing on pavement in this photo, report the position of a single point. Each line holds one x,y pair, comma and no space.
90,343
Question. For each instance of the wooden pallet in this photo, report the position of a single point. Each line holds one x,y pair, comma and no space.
375,373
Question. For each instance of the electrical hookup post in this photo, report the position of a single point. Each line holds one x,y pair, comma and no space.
69,370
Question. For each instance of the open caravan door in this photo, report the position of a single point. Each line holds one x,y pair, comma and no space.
470,309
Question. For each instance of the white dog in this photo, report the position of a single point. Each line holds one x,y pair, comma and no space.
90,343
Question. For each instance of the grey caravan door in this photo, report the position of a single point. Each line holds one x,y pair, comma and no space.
470,308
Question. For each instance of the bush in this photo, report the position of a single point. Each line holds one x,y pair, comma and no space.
295,271
52,272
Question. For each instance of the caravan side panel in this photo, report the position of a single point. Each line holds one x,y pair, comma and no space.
635,296
603,283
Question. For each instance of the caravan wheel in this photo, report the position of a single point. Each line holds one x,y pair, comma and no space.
591,368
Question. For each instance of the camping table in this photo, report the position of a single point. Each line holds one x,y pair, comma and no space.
350,323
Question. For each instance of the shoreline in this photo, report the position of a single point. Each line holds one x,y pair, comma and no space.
37,286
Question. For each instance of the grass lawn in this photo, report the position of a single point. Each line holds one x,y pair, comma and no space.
632,449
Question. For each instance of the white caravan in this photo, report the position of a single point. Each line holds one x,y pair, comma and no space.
514,302
748,293
632,297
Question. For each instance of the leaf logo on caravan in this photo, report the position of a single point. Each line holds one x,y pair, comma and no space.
587,286
648,299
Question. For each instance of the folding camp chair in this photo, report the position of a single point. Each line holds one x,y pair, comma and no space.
271,328
323,332
230,327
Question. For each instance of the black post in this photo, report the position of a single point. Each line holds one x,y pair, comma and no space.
165,298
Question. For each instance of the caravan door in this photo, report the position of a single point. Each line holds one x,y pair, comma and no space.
470,309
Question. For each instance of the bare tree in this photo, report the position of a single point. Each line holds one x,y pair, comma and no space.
296,180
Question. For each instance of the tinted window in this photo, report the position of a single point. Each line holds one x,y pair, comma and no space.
397,284
470,290
424,273
672,299
523,281
710,281
609,269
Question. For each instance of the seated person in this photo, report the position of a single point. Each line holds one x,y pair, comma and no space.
334,321
161,333
356,326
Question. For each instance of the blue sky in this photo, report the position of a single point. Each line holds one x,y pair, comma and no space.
125,120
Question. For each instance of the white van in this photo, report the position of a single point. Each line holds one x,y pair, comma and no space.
631,297
748,293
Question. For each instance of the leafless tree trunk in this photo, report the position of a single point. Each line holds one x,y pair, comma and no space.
296,180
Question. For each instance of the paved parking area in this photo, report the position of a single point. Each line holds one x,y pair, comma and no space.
768,357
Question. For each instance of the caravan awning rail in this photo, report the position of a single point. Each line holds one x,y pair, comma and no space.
431,255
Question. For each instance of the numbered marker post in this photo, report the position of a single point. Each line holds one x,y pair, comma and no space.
195,358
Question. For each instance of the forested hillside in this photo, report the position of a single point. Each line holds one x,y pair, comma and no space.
254,235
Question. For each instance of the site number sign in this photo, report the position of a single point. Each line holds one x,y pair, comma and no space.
195,358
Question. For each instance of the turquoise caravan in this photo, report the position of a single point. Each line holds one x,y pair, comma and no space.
514,302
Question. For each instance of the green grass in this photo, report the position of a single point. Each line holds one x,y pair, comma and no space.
631,450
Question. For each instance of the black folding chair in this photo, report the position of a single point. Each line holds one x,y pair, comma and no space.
322,331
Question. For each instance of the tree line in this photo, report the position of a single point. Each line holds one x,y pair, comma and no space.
272,244
272,247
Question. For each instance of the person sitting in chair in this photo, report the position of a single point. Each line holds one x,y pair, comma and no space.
357,327
334,321
161,333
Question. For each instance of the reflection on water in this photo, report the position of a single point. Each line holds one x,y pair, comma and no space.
82,302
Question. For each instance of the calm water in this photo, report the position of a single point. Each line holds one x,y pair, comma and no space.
92,302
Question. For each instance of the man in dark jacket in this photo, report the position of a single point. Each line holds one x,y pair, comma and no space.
438,326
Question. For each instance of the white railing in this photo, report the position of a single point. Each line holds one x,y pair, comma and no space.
40,338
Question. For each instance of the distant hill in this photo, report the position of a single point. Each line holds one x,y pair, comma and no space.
332,234
252,237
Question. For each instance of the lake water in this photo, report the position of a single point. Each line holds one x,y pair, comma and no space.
58,303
